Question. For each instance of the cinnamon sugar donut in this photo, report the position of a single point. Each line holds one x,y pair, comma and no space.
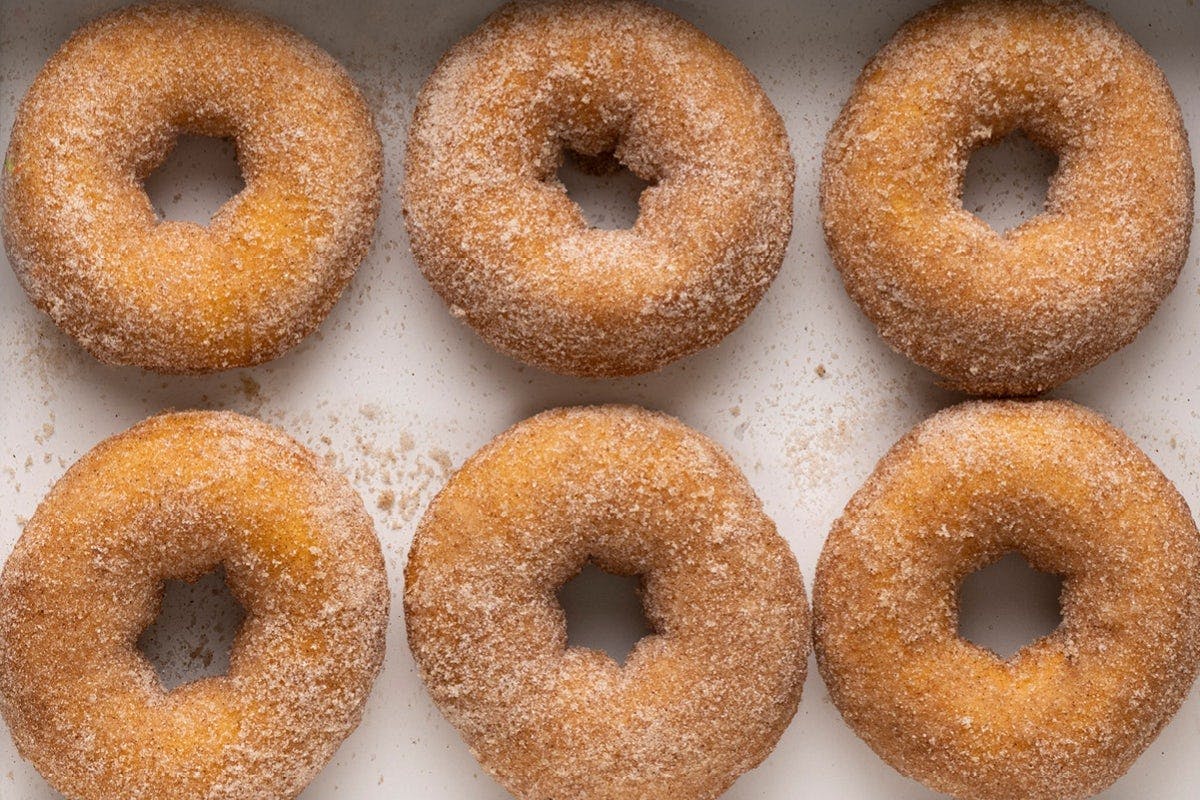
1020,312
171,499
174,296
615,81
696,704
1069,713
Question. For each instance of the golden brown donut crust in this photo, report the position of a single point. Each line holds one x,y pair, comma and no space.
696,704
172,498
1020,312
499,239
171,296
1069,713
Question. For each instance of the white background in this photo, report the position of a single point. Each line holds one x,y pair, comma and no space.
395,391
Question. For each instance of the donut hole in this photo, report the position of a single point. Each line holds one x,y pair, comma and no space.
1007,181
199,175
193,635
604,612
606,191
1009,604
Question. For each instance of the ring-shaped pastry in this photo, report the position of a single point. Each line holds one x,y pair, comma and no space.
697,703
171,296
1069,713
616,81
1020,312
173,498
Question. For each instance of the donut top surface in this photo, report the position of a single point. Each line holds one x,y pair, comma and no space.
1066,715
1018,312
173,296
615,81
172,498
698,702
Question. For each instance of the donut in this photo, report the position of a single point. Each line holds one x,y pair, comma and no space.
172,498
1014,313
1066,715
619,83
698,702
176,297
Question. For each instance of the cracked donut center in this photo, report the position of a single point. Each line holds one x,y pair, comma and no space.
1007,181
1008,604
606,191
199,175
604,612
194,632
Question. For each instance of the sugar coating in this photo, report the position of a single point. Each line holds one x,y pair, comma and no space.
616,81
172,498
1020,312
1069,713
171,296
699,702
